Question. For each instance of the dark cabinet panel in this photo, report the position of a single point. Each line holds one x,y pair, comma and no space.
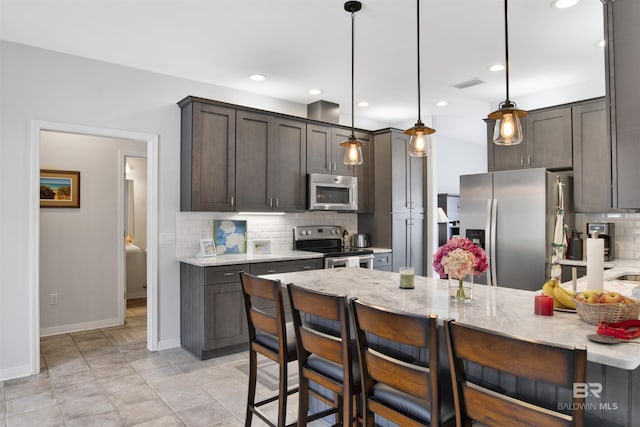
397,220
207,175
319,149
252,158
364,173
591,158
212,315
225,321
271,159
289,168
549,139
623,96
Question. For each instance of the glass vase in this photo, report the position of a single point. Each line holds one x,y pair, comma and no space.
461,290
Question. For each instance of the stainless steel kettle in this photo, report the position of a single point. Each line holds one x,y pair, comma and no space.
360,240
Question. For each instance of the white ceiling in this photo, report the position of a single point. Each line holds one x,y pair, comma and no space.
300,44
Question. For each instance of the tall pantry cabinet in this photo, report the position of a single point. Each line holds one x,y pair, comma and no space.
398,220
623,98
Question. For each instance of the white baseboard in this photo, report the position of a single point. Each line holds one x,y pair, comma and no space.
167,344
77,327
17,372
136,295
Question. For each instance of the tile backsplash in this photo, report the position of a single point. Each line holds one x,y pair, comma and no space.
627,231
193,226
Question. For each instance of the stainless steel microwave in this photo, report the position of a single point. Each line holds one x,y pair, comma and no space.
332,192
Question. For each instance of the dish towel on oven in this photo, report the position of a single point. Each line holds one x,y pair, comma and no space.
353,261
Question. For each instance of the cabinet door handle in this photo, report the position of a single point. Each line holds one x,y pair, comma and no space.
277,202
329,165
528,160
272,271
334,166
232,200
307,267
270,202
521,161
229,274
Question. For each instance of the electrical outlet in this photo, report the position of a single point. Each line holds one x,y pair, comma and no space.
53,299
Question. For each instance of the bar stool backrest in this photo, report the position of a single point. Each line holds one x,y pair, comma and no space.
477,399
385,365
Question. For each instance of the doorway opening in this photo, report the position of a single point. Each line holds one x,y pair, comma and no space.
150,141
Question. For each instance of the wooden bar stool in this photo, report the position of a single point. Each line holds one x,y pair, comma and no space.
321,323
397,384
270,336
518,361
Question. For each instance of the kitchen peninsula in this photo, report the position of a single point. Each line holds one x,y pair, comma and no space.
503,310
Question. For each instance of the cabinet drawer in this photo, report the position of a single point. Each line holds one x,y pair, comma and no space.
381,260
227,274
286,266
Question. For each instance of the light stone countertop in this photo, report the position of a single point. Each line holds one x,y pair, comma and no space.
248,258
503,310
616,268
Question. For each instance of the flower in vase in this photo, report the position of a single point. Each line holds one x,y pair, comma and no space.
459,257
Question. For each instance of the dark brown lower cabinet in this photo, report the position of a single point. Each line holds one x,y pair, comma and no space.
212,318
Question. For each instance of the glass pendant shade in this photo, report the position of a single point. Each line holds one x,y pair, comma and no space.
352,152
508,128
419,145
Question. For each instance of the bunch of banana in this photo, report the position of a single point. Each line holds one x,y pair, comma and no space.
562,298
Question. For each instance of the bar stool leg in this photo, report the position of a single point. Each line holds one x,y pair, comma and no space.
282,400
251,395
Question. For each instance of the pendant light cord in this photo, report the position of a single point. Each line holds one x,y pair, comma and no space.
353,20
506,48
418,57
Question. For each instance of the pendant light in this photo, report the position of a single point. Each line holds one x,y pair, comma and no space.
508,129
353,147
419,145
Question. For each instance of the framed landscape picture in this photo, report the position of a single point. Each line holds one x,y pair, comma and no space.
59,189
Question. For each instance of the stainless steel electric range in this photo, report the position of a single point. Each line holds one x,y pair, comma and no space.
327,239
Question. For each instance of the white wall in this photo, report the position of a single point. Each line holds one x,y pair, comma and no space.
456,156
78,258
36,84
139,176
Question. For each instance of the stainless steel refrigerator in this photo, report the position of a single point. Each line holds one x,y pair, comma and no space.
512,215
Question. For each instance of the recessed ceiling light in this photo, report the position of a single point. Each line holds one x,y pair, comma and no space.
258,77
497,67
442,103
363,104
315,91
601,43
563,4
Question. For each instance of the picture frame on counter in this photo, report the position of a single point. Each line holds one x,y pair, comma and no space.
207,248
59,189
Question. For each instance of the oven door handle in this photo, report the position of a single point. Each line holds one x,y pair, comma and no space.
332,261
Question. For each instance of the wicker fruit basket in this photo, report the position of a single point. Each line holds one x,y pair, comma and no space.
595,313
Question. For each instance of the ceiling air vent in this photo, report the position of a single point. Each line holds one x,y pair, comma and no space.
468,83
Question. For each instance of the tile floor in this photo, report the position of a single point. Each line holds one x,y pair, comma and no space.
107,377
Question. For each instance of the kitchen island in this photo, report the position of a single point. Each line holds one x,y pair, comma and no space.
509,311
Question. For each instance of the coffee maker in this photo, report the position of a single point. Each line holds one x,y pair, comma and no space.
605,231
